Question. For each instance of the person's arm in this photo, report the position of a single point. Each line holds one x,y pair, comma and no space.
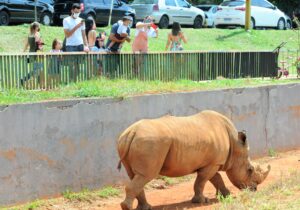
183,38
128,39
156,31
68,32
113,38
84,38
26,45
168,42
140,25
124,35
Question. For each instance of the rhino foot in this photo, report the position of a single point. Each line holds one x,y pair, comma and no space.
224,192
124,206
200,199
144,207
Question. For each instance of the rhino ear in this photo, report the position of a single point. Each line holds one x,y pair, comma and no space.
242,137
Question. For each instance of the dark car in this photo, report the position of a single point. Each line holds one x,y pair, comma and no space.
97,9
17,11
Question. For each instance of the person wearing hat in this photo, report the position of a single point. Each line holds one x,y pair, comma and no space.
120,32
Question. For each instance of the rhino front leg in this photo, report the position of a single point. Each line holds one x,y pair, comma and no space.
218,183
203,175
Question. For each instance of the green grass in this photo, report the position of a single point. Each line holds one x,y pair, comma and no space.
30,206
283,194
86,194
123,88
272,153
109,192
170,181
13,38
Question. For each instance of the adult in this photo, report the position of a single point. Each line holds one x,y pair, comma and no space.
115,48
140,45
33,41
91,34
35,44
112,61
175,38
74,28
144,30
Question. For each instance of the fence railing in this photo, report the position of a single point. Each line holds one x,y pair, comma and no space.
48,70
288,59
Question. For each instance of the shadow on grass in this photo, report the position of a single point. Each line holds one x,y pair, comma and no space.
183,205
235,33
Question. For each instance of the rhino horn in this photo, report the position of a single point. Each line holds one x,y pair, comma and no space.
262,174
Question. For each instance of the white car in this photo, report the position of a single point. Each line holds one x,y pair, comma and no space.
210,12
165,12
263,14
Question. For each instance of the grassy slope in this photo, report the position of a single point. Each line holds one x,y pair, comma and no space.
12,39
283,194
123,88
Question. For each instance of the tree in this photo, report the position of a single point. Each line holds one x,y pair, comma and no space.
288,6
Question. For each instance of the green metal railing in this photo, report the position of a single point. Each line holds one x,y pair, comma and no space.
48,70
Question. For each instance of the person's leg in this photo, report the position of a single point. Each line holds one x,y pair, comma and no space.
79,48
110,45
72,64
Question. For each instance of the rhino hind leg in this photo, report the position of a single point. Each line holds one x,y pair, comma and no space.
218,183
135,190
203,175
142,202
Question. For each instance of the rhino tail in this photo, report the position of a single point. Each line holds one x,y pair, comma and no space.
120,165
124,142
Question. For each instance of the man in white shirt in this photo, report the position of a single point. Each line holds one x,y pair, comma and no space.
74,28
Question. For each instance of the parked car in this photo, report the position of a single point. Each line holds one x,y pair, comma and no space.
210,11
16,11
99,10
289,22
51,2
165,12
263,14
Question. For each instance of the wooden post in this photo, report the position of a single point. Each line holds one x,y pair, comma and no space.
248,15
110,13
35,10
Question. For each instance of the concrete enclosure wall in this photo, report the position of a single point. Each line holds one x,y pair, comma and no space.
46,148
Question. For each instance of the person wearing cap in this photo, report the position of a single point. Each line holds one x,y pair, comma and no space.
120,32
74,28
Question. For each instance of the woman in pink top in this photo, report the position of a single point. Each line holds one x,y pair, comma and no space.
144,30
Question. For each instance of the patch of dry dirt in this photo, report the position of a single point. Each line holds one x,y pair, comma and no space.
178,197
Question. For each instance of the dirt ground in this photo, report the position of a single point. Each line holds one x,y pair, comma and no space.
178,197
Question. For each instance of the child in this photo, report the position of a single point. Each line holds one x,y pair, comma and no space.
56,46
100,40
122,32
55,64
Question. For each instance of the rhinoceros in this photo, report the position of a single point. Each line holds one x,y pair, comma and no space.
204,143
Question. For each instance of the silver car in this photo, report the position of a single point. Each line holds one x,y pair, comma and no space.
165,12
210,12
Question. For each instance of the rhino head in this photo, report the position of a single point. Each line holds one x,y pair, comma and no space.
242,173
